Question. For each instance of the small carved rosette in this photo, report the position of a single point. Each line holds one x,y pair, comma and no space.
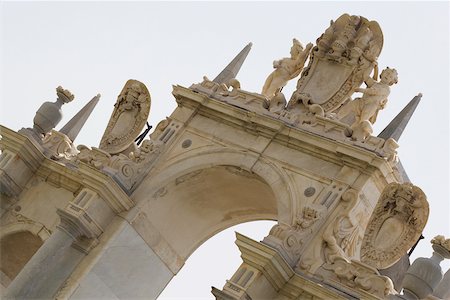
395,225
128,118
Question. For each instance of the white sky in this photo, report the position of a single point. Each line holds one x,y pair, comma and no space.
92,48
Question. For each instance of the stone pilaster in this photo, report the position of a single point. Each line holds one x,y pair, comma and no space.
19,160
82,221
47,269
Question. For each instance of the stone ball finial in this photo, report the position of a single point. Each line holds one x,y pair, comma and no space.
425,274
49,114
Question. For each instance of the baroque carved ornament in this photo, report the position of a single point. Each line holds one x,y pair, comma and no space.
128,118
345,55
395,225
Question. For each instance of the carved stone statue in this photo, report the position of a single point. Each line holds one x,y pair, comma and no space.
286,69
128,118
346,53
374,98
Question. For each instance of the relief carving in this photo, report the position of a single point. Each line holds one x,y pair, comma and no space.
360,276
58,146
308,217
300,110
94,157
395,225
344,235
128,118
345,55
126,170
143,153
289,240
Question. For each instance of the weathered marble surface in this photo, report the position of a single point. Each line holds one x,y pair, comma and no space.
125,271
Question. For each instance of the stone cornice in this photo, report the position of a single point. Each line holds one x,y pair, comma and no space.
284,279
67,176
311,141
22,146
265,259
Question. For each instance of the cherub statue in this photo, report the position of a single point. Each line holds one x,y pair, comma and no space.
374,98
286,69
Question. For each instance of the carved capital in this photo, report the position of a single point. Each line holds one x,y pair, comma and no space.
14,173
85,244
85,216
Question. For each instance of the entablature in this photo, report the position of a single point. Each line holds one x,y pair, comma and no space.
64,175
321,136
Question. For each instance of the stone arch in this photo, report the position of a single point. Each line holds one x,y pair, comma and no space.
17,246
271,173
256,174
32,227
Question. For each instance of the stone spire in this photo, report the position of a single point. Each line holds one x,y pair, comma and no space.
402,171
233,67
398,124
73,127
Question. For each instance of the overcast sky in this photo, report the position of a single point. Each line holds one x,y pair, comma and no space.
92,48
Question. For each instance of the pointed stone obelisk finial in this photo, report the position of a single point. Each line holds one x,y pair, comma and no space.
402,171
73,127
233,67
398,124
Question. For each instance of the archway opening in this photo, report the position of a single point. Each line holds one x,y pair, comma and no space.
213,263
16,249
194,207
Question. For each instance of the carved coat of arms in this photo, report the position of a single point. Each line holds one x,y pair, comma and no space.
128,118
395,225
346,54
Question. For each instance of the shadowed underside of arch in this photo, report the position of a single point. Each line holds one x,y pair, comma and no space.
15,251
195,206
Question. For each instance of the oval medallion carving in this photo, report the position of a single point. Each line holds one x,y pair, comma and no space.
128,118
395,225
344,55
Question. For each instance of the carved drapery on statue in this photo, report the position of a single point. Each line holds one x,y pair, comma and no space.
345,55
128,118
396,224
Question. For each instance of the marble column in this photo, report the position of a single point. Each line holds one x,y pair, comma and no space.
46,271
82,222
